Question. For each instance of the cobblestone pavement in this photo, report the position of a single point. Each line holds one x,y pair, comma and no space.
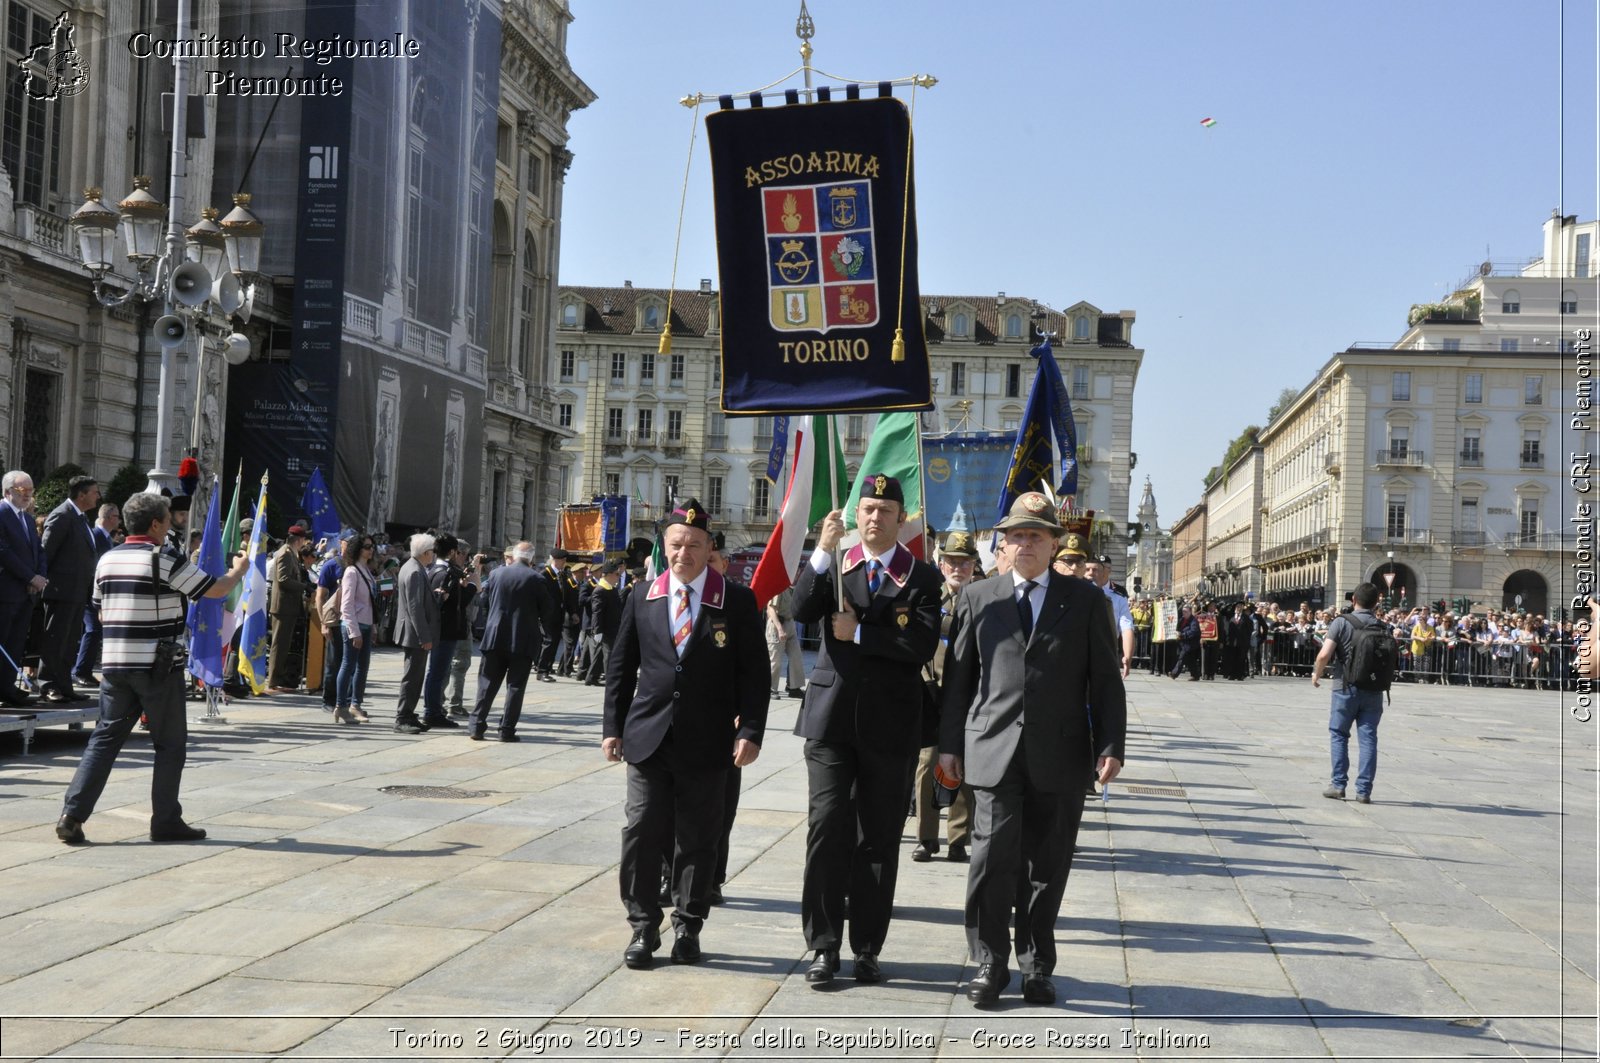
1221,908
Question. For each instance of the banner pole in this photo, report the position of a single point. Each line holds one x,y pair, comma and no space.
833,500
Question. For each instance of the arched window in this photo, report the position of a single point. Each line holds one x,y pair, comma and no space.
530,253
1569,302
1511,302
652,317
1080,327
958,324
1013,326
569,315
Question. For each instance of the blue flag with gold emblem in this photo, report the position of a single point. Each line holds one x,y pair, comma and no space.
205,615
1048,414
318,506
817,252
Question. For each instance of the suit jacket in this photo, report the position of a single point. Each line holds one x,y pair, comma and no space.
70,552
722,676
1060,693
21,556
605,612
289,585
511,612
417,613
870,693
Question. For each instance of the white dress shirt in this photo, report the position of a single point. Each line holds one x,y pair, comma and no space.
1035,596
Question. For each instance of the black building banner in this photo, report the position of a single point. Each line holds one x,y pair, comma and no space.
817,254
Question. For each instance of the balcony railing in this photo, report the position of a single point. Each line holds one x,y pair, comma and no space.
1538,541
1406,536
1466,537
1532,459
1399,456
1472,459
1297,546
717,441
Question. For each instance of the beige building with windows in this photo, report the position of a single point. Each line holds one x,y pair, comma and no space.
1233,506
1189,552
1441,460
647,425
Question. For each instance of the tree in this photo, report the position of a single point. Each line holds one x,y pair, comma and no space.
1241,443
129,480
53,489
1285,397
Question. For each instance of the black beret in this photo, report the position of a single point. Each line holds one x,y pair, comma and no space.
693,514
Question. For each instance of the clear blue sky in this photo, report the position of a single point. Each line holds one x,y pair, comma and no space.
1365,156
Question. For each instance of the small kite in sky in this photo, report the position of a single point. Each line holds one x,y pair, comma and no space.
1208,122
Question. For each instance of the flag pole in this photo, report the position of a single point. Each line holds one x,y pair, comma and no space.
833,503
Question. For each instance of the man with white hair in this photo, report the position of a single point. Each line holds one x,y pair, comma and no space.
22,568
416,629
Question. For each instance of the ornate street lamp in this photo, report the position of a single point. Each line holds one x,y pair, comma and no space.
96,226
205,243
243,231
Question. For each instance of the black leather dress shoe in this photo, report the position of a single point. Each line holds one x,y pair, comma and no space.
1038,989
409,727
640,952
444,723
984,989
867,969
686,947
958,853
823,967
475,735
716,897
510,738
178,832
924,852
70,831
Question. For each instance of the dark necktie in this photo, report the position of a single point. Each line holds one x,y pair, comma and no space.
1025,609
874,575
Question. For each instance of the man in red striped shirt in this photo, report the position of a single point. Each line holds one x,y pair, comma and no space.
143,595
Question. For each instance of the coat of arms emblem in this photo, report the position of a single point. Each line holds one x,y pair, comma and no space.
822,271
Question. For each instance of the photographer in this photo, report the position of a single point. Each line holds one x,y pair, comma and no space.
141,593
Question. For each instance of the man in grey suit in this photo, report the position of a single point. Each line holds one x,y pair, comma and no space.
1032,696
512,637
70,554
416,629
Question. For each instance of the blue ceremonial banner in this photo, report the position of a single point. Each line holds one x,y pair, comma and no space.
318,506
253,638
959,474
614,522
780,447
817,252
205,615
1049,412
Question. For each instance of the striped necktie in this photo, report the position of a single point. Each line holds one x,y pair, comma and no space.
680,621
874,575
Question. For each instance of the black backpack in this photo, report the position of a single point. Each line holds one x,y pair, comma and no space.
1372,656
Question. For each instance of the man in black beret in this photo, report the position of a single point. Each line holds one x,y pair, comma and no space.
686,700
861,719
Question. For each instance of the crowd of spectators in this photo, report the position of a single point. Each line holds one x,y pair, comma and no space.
1495,647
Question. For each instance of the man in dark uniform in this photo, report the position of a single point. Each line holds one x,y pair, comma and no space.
172,546
70,552
554,614
605,617
1032,696
511,639
690,660
861,719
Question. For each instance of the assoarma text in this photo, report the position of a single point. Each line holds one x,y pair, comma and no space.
851,162
803,351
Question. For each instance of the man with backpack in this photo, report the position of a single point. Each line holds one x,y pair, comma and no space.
1364,670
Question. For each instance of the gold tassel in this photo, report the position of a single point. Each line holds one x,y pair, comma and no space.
665,346
897,350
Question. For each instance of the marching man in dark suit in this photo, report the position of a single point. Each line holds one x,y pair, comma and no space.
1032,697
686,699
22,575
861,719
70,553
512,638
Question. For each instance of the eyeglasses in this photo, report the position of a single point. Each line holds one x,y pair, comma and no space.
19,489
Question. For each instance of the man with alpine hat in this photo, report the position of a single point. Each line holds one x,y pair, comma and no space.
957,562
686,700
1032,696
861,719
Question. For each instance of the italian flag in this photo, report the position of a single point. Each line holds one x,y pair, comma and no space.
894,450
806,501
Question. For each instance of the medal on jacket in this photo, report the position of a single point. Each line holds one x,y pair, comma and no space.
720,638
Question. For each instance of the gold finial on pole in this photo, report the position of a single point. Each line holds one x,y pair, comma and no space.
805,29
